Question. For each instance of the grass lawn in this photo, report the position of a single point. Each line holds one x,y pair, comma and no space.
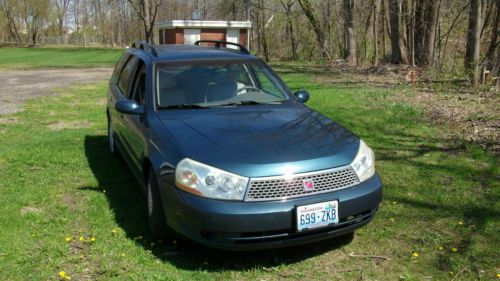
19,58
66,205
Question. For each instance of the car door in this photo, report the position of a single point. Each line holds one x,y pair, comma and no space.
134,131
115,94
121,91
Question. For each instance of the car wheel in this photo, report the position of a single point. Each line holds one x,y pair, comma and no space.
111,139
156,215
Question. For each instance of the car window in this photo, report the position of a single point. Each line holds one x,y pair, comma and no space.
139,86
268,81
214,83
119,66
127,75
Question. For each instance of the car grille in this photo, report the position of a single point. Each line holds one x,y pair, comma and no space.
278,188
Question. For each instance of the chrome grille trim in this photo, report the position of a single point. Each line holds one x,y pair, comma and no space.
281,187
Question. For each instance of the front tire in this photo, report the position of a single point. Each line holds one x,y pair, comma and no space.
156,215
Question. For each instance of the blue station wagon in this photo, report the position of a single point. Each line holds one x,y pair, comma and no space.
228,156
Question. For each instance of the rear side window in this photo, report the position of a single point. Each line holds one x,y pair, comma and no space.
119,66
127,75
139,87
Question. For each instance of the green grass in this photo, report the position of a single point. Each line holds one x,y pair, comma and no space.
20,58
61,183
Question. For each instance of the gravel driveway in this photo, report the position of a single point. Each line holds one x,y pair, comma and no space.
16,86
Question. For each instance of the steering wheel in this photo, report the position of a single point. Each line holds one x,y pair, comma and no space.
237,92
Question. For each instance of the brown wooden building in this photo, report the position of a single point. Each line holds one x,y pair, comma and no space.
189,31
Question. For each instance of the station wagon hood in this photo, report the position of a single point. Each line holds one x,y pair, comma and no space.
263,140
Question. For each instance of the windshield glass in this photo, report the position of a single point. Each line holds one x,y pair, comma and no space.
217,84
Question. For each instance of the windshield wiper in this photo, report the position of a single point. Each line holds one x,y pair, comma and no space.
246,102
184,106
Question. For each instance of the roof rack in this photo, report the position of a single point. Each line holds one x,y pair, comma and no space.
219,43
142,45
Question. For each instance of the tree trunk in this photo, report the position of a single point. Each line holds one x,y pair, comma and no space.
492,64
425,31
473,42
376,11
145,10
306,7
350,41
289,26
394,21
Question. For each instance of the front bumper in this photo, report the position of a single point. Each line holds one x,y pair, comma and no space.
262,225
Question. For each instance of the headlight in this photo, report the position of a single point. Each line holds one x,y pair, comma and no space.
210,182
364,162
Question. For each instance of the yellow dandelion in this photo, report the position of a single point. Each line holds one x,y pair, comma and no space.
440,248
68,238
498,275
138,237
114,231
92,239
460,222
415,255
454,250
81,239
392,219
64,276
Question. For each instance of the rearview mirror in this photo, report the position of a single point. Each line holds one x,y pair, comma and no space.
302,95
129,107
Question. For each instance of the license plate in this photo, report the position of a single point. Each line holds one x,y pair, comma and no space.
317,215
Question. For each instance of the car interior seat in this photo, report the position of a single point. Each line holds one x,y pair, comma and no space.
170,93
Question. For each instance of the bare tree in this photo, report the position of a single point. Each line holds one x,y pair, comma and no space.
307,8
9,8
287,6
425,30
349,39
398,49
36,11
147,11
61,12
472,52
493,53
260,22
376,12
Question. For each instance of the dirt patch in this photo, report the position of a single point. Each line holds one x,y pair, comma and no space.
30,210
70,125
102,102
383,76
70,202
10,120
16,86
471,114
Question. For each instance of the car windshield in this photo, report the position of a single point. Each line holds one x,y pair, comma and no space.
210,84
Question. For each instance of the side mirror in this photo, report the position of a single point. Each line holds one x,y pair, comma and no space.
129,107
302,96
